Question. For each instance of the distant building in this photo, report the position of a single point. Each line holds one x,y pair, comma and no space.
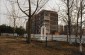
61,29
46,18
72,29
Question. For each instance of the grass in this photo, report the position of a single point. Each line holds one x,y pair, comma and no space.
13,46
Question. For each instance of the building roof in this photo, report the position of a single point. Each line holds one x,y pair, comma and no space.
47,11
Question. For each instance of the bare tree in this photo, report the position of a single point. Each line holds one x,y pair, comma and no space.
78,15
12,14
29,12
81,5
67,16
79,8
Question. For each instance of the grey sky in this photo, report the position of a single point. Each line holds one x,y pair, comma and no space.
51,5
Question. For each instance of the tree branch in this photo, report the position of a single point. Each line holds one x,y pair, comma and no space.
36,7
21,9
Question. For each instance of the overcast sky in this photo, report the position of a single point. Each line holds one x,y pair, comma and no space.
4,4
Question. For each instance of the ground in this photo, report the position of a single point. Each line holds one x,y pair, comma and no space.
18,46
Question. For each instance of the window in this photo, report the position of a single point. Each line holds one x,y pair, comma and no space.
46,13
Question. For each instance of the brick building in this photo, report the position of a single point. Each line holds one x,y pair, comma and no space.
46,18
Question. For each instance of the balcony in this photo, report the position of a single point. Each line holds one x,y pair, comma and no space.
46,18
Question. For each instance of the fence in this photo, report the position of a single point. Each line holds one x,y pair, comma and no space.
8,34
38,37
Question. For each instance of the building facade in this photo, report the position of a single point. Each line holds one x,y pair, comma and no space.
46,18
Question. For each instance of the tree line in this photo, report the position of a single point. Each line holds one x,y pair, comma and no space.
8,29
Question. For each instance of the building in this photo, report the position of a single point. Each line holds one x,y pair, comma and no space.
61,29
45,18
72,29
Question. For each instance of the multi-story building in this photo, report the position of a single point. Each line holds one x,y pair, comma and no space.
46,18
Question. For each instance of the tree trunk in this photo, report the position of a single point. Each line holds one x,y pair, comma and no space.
0,34
69,21
76,29
29,31
29,24
67,34
77,26
14,26
81,30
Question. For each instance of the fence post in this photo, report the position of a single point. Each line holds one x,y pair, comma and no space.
46,42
